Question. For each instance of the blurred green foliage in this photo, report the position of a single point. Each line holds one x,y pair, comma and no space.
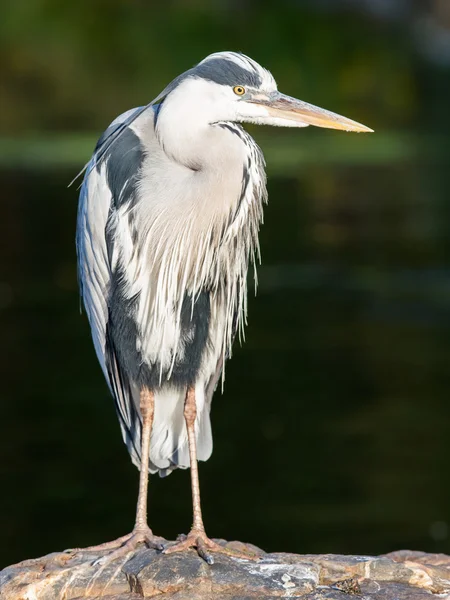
74,65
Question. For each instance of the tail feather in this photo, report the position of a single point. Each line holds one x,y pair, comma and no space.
169,442
169,436
204,434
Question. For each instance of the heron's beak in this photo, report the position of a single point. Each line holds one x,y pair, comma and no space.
295,113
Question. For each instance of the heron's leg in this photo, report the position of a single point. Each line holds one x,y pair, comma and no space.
141,532
197,537
147,406
190,414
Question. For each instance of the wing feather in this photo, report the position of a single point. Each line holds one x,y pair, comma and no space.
96,203
93,265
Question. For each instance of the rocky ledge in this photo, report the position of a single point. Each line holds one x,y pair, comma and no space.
402,575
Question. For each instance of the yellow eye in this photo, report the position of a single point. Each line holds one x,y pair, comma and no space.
239,90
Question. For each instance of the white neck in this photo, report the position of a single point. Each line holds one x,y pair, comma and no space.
185,129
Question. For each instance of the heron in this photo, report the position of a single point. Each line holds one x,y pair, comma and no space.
168,222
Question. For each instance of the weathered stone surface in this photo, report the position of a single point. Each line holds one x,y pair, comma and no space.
402,575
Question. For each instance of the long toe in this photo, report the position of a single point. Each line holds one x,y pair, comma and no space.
205,547
100,547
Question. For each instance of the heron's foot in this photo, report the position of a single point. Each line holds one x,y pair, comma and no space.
129,543
198,539
123,545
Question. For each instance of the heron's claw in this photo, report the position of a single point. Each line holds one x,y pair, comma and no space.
205,546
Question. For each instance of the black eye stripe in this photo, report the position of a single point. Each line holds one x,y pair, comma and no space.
225,71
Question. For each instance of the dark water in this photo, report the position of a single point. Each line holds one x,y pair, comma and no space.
333,434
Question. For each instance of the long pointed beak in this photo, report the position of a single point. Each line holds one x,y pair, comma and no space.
290,109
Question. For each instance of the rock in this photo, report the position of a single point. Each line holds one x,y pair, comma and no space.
71,575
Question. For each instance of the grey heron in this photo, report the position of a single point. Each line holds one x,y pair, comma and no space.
168,221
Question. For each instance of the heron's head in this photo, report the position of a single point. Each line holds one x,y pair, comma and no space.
228,86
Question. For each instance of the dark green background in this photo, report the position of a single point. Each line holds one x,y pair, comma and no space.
333,434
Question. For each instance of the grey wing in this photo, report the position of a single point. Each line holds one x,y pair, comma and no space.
93,265
98,199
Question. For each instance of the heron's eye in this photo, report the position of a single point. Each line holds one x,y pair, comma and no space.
239,90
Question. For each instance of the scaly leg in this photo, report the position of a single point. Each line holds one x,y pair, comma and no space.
141,532
197,537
